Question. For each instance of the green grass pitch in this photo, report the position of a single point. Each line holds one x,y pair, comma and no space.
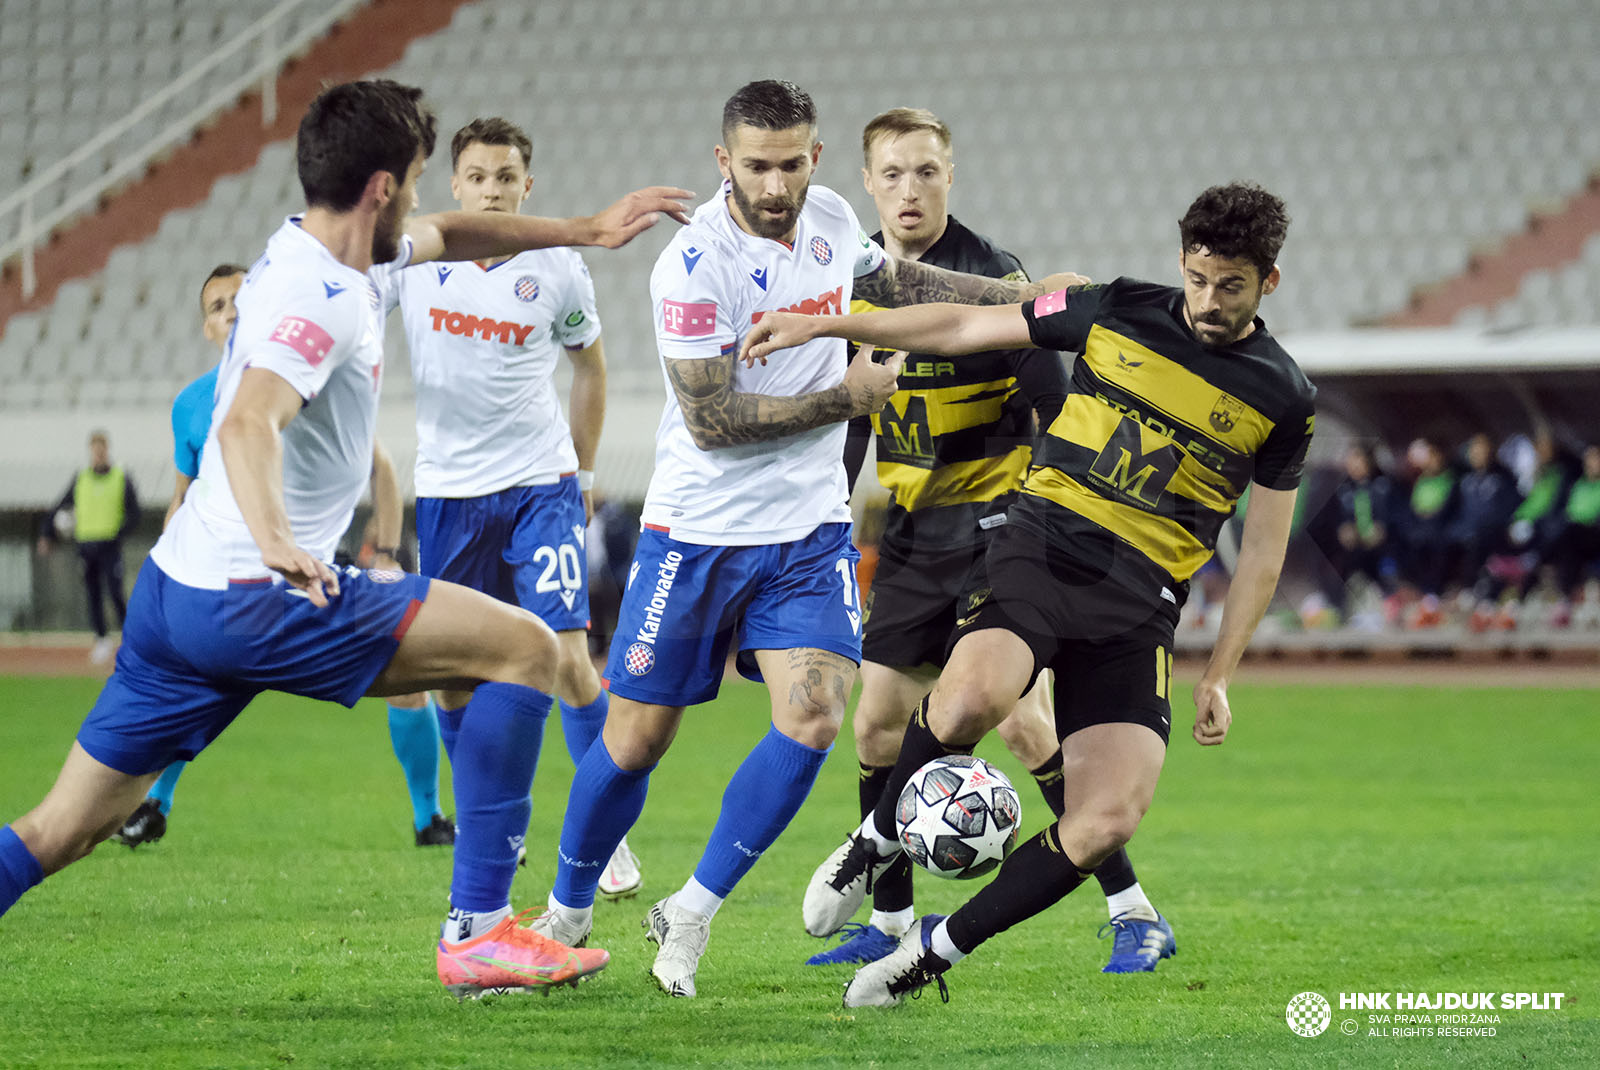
1346,839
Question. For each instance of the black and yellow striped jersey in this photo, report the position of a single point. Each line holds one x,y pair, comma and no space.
955,440
1160,435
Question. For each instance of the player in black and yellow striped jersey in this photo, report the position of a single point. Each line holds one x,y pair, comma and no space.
1181,401
953,445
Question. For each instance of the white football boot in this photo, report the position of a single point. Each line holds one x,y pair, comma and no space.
903,971
683,936
621,877
840,885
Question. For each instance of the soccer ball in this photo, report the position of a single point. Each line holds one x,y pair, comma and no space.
957,817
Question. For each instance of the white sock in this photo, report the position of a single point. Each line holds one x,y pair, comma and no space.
581,915
885,847
940,942
462,925
1131,901
893,922
698,898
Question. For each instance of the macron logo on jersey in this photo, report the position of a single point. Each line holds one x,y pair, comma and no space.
691,257
304,337
759,276
332,289
824,304
486,328
689,319
444,273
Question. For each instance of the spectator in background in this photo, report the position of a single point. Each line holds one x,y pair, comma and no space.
1357,538
1537,521
1576,547
1423,526
1486,499
1528,540
98,509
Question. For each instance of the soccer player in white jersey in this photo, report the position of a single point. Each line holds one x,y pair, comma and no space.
238,596
503,484
746,526
413,729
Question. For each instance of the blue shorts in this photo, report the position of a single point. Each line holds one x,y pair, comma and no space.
523,545
191,659
685,602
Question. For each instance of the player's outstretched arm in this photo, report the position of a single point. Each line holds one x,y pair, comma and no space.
1255,577
940,330
717,415
479,235
251,440
899,282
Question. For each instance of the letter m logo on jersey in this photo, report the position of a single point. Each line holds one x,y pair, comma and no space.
1132,473
905,436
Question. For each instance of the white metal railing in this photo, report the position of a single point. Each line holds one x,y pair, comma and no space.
270,56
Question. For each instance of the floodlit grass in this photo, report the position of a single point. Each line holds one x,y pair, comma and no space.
1347,839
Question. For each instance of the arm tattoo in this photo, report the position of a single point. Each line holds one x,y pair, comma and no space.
718,415
911,282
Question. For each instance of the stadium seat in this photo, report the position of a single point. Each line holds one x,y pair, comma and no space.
1407,136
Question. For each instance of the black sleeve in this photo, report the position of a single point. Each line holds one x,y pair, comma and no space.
1007,266
130,506
1061,320
1041,375
858,436
47,522
1281,460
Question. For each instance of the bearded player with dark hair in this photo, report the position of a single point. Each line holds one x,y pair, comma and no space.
1180,401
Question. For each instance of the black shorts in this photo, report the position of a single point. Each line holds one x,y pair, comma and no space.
1110,647
915,599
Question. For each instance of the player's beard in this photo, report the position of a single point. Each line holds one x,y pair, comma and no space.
1232,330
386,235
764,226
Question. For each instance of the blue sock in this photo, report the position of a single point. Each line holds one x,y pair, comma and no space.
494,760
161,791
762,798
604,803
19,870
415,735
581,725
449,728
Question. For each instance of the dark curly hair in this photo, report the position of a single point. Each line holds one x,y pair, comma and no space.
353,130
1239,220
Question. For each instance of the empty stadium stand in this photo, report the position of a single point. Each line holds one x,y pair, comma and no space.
1407,138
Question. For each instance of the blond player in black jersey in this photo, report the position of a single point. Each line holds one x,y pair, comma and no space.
1181,400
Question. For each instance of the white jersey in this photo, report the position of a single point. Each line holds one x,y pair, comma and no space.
316,323
710,284
484,348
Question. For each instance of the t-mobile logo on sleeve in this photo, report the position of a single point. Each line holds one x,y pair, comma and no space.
689,319
304,337
1049,304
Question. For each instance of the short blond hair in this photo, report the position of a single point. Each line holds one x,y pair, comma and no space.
897,122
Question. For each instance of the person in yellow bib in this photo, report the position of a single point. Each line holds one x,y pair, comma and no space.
103,507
